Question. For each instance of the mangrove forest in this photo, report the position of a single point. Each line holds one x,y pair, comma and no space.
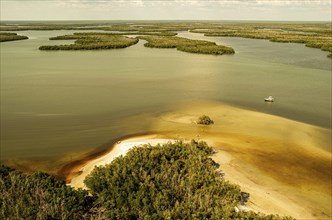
186,45
91,42
313,34
7,36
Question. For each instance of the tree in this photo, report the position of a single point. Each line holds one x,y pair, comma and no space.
205,120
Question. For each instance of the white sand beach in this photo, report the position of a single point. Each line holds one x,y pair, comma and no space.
120,148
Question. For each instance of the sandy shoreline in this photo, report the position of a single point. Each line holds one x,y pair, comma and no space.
283,164
120,148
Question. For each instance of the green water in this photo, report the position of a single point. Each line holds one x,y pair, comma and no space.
58,102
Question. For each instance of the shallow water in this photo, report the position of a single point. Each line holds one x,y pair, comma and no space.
57,102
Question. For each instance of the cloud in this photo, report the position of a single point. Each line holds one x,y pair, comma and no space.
93,4
100,5
167,9
190,2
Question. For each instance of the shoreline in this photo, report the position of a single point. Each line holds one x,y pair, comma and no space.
120,148
285,165
66,172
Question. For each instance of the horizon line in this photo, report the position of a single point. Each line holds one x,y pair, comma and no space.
1,20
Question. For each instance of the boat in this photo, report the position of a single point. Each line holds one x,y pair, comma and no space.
269,99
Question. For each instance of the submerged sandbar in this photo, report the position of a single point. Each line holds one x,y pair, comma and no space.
285,165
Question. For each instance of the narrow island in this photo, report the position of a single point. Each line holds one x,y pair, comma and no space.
186,45
312,35
92,41
8,36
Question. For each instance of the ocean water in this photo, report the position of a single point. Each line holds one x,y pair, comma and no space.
55,103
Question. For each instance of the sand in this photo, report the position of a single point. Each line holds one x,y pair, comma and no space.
285,165
120,148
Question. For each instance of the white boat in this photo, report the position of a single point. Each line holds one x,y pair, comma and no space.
269,99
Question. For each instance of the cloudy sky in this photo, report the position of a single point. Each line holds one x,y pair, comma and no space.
307,10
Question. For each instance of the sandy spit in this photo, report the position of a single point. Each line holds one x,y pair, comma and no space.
120,148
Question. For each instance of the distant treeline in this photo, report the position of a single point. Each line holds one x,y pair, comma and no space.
315,35
6,36
171,181
89,34
186,45
105,26
156,33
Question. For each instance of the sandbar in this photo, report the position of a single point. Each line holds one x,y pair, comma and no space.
285,165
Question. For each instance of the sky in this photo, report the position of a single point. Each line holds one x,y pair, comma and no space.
280,10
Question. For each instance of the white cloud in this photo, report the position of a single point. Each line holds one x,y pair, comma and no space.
167,9
77,3
293,2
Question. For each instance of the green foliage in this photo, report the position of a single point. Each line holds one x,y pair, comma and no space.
98,40
40,196
312,35
83,35
92,41
162,33
6,36
205,120
145,32
105,26
316,35
170,181
186,45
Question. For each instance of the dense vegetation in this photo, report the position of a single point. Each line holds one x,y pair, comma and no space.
312,35
205,120
92,41
6,36
186,45
170,181
156,33
101,40
40,196
122,26
316,35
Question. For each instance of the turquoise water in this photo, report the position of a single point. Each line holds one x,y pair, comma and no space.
58,102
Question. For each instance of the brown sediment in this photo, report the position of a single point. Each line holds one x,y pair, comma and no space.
285,165
67,171
287,162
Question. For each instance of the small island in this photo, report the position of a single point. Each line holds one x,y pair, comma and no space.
91,41
8,36
314,35
205,120
186,45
